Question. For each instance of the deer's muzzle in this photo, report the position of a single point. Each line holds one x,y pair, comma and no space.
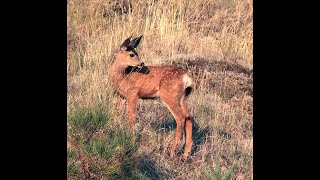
141,64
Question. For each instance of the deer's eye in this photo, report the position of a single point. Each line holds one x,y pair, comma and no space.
131,55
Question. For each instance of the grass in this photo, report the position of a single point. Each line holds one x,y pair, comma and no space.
97,148
212,39
216,175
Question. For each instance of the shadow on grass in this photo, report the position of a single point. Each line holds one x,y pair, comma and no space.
148,169
211,65
164,126
199,134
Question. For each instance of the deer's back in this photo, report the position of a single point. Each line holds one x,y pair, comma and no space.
149,82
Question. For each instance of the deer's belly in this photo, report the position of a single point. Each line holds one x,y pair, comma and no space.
149,95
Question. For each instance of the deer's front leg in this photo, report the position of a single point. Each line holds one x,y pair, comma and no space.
132,109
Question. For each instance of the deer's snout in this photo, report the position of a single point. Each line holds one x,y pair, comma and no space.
141,64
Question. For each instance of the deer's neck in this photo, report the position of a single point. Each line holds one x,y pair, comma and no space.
116,73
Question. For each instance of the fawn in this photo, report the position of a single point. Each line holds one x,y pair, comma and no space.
132,80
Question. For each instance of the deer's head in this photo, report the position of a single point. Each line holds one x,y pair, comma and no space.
128,55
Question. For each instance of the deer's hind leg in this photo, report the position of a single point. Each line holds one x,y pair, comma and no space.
188,127
175,109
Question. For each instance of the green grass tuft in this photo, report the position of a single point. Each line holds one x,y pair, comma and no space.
217,172
110,154
89,119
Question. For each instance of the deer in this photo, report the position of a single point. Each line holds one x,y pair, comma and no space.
131,79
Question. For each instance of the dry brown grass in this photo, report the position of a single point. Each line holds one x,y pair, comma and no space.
212,39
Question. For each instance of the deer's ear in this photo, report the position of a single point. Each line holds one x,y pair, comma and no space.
125,44
135,42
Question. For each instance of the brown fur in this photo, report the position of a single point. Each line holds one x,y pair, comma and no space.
168,83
